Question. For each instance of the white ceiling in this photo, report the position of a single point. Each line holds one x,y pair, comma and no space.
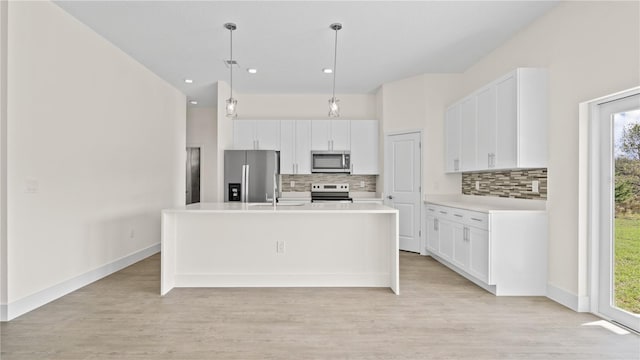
289,42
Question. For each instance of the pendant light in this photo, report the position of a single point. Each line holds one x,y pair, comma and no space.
231,102
334,108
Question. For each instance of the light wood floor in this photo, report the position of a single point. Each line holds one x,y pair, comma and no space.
438,315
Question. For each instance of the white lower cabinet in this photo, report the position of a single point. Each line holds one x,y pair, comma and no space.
504,252
461,246
478,241
433,240
446,229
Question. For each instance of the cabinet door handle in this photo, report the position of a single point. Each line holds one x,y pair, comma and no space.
476,219
436,224
443,212
457,215
456,165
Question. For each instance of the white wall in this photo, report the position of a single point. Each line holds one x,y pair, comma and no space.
304,106
100,139
418,103
591,49
3,158
202,132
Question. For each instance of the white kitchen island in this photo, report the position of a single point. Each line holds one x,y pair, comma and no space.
258,245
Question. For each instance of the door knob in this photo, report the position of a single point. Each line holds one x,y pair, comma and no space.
390,197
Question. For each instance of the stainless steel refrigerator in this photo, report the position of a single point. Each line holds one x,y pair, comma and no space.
251,175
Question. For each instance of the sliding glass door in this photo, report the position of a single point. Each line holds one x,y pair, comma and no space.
619,237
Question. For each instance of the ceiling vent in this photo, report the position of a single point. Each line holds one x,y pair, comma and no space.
229,63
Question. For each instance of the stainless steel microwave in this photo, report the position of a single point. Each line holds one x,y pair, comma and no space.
331,162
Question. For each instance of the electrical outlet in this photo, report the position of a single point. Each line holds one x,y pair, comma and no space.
280,247
292,184
477,185
535,186
362,184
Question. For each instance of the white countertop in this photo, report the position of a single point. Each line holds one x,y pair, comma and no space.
238,207
486,203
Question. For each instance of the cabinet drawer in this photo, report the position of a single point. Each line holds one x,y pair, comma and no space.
465,217
433,210
477,219
444,213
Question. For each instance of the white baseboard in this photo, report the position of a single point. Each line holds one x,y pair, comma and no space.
19,307
570,300
283,280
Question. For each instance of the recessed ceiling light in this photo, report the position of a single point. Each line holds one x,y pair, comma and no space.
327,71
193,102
188,81
252,71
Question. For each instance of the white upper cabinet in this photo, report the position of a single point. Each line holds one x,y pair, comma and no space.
364,147
503,125
244,134
295,147
256,134
340,135
452,138
531,104
330,135
468,118
506,124
486,133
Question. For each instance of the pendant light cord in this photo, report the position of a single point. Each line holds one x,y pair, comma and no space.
335,56
231,64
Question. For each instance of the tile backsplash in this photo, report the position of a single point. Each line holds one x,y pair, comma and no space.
303,182
508,183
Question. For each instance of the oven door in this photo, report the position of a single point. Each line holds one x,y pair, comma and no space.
330,162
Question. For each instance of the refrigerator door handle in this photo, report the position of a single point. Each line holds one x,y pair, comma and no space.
246,184
243,193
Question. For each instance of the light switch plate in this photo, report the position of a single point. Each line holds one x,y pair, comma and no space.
31,185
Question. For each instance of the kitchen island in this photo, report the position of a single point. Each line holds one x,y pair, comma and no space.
261,245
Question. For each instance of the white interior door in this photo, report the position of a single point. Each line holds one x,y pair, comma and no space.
619,211
403,178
